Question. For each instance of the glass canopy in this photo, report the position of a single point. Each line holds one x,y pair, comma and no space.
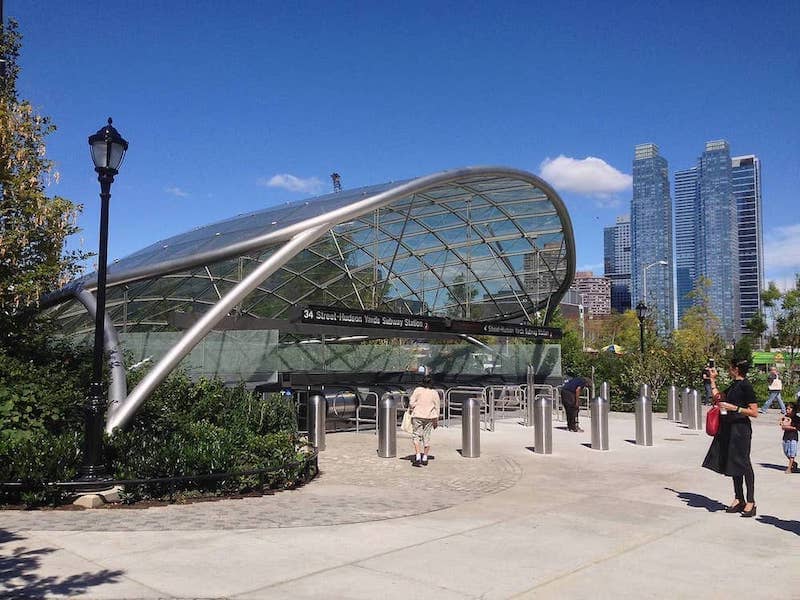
478,243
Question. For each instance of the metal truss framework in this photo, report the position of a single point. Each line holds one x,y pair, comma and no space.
482,243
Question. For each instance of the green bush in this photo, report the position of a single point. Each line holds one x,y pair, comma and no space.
35,459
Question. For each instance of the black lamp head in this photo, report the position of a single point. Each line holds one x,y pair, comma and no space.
108,149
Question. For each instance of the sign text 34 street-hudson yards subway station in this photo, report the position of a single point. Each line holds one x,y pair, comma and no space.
326,315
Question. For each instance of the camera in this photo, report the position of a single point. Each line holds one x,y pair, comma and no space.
710,363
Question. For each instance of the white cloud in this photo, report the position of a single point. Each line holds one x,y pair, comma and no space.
589,176
292,183
176,191
782,254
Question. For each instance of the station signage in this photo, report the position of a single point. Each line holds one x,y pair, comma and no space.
347,317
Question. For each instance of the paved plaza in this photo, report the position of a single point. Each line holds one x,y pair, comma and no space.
633,522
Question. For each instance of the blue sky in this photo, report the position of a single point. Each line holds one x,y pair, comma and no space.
233,106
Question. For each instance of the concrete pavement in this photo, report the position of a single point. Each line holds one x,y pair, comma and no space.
633,522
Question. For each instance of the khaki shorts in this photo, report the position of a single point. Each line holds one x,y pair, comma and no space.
422,430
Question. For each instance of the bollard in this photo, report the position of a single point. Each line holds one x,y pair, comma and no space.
387,427
644,390
672,403
698,410
690,417
644,421
543,425
605,391
599,409
317,409
471,428
685,406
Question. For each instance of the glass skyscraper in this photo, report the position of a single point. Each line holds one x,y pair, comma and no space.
706,228
651,236
617,262
746,180
685,232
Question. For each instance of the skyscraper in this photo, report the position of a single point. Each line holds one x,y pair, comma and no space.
707,232
746,175
685,232
651,236
617,262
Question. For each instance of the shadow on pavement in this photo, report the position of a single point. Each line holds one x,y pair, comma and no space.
20,576
790,526
772,466
699,501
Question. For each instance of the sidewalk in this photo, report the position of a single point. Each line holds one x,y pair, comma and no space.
632,522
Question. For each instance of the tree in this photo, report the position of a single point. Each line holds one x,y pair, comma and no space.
757,325
771,298
787,324
33,226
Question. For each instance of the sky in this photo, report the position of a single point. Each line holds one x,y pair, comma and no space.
234,106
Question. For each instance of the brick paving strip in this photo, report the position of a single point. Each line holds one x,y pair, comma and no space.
354,486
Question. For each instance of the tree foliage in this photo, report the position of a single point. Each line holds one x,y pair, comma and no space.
786,313
33,225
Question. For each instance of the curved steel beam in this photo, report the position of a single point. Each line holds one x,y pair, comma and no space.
198,331
118,386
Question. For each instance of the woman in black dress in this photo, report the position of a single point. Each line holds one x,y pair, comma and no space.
730,451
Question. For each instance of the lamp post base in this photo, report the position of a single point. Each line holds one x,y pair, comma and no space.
93,470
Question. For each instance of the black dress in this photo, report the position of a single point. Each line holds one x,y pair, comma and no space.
729,453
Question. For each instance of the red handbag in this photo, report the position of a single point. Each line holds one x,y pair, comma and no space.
712,420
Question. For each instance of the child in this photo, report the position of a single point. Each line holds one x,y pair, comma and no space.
790,423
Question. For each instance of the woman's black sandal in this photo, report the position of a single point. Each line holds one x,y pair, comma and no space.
738,507
749,513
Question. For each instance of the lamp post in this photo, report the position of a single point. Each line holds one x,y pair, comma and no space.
641,314
108,149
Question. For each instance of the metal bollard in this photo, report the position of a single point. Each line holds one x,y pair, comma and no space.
690,417
685,406
471,428
543,425
605,391
387,427
317,409
672,403
599,408
644,421
644,390
698,410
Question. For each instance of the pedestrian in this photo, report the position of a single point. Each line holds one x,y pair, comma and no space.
707,380
729,453
775,386
790,423
424,407
571,400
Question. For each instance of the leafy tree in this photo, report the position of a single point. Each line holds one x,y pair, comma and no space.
771,298
757,325
787,324
33,226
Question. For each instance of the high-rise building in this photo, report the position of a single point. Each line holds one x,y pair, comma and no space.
651,236
685,232
595,293
617,262
746,175
707,231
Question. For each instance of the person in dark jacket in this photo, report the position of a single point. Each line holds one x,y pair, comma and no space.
729,453
571,400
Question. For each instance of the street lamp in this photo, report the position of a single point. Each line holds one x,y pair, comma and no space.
641,314
108,149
